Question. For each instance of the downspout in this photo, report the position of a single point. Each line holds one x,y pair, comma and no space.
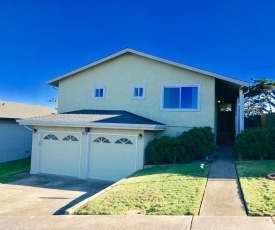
28,128
246,91
241,96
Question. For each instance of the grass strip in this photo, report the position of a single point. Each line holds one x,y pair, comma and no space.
259,192
163,190
9,170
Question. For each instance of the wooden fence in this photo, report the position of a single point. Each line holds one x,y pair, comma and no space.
268,120
264,120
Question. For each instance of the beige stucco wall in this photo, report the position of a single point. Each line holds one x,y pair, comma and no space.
119,74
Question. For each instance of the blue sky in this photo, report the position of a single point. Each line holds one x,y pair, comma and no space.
41,39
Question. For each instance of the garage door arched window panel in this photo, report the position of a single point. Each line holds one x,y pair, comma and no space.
124,141
101,140
50,137
70,138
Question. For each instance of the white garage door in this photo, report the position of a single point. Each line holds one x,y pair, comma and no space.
59,153
112,157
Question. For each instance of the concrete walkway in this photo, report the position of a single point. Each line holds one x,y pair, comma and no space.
223,194
136,222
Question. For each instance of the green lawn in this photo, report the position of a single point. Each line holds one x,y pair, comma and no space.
8,171
259,192
166,190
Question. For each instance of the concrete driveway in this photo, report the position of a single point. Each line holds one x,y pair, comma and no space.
45,194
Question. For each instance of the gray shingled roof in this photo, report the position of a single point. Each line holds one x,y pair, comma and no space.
20,110
97,116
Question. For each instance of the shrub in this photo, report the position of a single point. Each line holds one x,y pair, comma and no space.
157,150
176,151
198,143
255,143
192,145
270,146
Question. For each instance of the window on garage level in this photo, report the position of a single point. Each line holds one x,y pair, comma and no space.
101,140
50,137
124,141
70,138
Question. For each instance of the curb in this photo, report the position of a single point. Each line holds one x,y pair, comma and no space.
73,209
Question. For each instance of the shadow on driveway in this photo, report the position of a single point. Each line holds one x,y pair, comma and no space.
44,194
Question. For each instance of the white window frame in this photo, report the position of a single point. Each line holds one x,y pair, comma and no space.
94,90
179,86
138,97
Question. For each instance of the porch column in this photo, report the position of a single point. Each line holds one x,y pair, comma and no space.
237,116
241,96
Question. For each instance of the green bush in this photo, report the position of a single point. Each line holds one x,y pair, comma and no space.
191,145
152,156
176,151
270,147
255,144
164,150
198,143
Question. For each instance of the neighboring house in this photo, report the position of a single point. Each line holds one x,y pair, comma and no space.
16,140
110,109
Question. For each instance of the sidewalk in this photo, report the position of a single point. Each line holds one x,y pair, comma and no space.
136,222
222,195
222,209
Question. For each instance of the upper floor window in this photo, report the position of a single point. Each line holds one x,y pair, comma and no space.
181,97
138,92
99,92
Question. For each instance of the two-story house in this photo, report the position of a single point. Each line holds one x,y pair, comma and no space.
109,110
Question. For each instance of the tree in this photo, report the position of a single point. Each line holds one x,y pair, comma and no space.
261,98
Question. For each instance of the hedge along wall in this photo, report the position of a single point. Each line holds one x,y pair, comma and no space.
195,144
255,144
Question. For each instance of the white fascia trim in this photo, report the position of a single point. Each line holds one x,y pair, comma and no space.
229,79
93,125
222,77
88,66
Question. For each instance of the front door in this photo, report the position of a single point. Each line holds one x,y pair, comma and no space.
226,124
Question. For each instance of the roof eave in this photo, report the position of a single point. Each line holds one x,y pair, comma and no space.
93,125
55,81
194,69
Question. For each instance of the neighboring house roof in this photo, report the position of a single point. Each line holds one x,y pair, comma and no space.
55,81
19,110
96,118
